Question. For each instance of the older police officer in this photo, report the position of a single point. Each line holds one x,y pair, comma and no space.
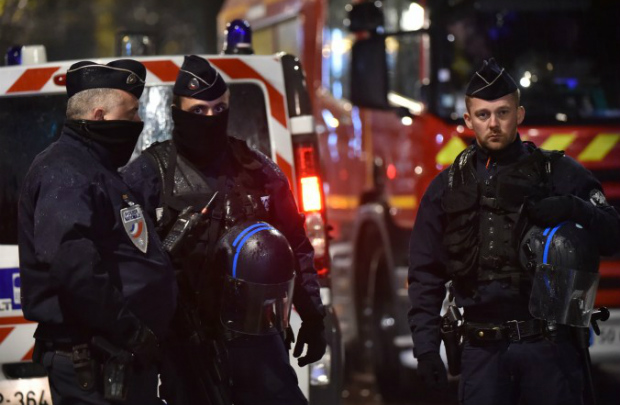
468,230
94,275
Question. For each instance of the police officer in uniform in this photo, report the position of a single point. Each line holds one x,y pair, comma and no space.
468,230
200,161
93,272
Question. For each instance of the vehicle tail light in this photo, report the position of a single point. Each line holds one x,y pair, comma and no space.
312,202
311,194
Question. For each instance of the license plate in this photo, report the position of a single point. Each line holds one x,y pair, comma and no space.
606,346
609,336
30,391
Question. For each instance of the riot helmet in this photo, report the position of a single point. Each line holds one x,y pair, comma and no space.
259,276
563,261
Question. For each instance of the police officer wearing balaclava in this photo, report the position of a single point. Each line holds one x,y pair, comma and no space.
200,161
468,230
93,272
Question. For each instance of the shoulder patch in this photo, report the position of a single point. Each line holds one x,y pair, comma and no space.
135,226
597,198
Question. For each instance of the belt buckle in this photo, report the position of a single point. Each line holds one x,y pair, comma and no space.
510,331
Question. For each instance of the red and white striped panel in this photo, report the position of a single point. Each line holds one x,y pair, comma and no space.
16,341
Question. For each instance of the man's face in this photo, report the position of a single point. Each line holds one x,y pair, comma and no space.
494,122
125,109
202,107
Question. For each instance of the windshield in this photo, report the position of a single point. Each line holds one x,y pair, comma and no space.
564,56
247,118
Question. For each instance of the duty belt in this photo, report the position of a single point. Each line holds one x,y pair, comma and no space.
513,331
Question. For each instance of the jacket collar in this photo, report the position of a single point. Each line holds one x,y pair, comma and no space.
511,154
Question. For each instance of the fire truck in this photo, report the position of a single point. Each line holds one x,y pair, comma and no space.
269,108
387,82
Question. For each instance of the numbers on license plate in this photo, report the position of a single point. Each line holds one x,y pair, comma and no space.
607,336
28,398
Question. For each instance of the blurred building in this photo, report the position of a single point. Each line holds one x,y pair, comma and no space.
76,29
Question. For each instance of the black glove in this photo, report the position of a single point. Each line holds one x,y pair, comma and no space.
551,211
144,345
289,338
312,334
432,371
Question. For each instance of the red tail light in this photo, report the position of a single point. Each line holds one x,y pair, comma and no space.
312,203
311,194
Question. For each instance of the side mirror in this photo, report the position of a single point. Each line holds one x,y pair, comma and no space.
369,78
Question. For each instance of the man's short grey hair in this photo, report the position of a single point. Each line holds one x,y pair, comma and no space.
81,104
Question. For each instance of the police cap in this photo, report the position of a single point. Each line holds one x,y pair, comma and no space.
122,74
198,79
490,82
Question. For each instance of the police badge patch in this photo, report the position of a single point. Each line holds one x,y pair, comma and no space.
597,198
135,226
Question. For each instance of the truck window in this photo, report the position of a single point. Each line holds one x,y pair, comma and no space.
337,42
248,116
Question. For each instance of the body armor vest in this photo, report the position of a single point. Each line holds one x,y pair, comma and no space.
240,186
485,219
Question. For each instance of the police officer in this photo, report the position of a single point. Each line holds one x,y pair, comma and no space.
93,273
199,161
468,230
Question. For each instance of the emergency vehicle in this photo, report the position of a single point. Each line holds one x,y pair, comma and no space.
387,81
269,108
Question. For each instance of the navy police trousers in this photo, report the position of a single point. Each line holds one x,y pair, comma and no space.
534,372
261,372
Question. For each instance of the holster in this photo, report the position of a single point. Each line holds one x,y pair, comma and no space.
84,365
452,336
116,373
117,369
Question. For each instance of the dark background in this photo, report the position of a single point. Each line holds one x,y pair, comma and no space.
81,29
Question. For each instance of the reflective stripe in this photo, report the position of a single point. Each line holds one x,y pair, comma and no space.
246,230
558,141
548,241
600,146
341,201
450,151
33,79
261,227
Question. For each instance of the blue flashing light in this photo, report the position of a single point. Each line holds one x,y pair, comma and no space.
13,55
238,38
571,82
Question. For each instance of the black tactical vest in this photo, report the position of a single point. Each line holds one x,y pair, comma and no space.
485,219
240,184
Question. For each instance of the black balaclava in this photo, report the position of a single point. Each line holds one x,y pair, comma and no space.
202,139
117,137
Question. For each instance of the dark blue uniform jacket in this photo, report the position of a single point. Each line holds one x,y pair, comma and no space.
143,177
497,301
81,274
